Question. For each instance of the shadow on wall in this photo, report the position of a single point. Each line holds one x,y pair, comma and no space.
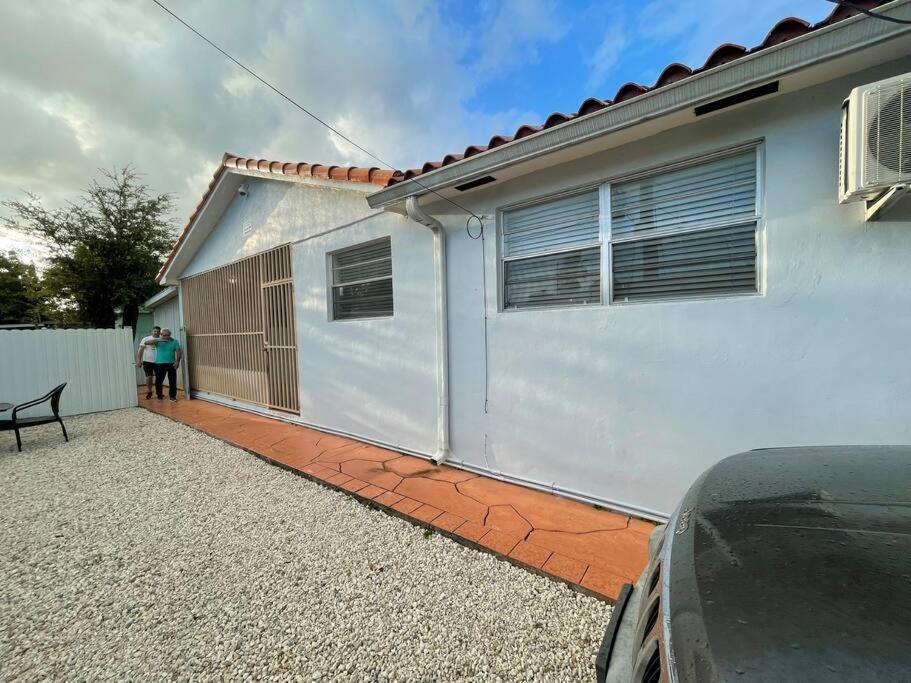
375,378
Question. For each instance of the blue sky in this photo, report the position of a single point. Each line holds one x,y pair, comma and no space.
592,48
410,79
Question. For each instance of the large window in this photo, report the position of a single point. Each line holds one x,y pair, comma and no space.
362,281
552,253
688,232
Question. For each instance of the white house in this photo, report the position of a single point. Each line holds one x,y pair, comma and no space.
643,287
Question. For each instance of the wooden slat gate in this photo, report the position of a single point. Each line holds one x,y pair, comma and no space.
239,324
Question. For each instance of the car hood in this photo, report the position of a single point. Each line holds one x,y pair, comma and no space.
794,564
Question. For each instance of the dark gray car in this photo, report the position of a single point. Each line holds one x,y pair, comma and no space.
789,564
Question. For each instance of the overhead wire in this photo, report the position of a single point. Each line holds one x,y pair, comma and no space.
375,157
305,110
869,13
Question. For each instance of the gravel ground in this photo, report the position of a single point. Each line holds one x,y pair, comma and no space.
145,550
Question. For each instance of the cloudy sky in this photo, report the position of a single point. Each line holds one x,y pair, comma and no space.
103,83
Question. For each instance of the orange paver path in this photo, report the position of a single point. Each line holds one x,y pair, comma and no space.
597,550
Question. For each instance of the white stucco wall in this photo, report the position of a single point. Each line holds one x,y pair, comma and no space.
626,404
630,403
278,211
374,379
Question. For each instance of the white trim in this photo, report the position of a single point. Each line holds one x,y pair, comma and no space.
162,297
214,192
607,255
553,252
547,487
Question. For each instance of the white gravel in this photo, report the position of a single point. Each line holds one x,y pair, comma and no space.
145,550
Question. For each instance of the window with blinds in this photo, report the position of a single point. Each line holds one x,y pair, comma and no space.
552,253
362,281
689,232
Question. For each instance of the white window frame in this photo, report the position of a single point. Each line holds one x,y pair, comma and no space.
758,149
502,260
605,241
331,285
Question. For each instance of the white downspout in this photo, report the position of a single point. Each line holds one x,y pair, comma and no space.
417,214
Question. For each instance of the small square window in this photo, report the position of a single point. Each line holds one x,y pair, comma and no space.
362,281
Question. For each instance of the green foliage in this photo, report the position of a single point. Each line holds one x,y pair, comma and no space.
106,248
22,295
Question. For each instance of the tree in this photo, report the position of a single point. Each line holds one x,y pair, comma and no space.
106,248
22,297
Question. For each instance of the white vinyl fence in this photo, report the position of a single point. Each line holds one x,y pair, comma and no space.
97,365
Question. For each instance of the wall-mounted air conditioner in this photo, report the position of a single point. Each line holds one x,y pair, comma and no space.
875,154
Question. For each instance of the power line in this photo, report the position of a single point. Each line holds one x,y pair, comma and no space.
313,116
864,10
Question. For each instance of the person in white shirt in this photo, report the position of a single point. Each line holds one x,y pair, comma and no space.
145,358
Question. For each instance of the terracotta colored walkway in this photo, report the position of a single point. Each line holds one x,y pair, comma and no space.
594,549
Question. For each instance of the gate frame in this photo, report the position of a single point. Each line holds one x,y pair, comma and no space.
271,268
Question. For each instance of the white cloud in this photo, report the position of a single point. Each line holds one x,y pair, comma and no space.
696,30
92,83
641,38
96,84
513,31
602,62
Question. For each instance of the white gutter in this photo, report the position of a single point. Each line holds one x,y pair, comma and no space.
824,44
417,214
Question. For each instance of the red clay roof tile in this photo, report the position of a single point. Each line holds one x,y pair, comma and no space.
352,174
673,73
785,30
628,91
723,54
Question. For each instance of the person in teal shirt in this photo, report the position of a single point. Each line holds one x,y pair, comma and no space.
168,355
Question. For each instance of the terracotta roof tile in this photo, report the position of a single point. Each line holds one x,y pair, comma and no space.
724,54
785,30
628,91
673,73
351,174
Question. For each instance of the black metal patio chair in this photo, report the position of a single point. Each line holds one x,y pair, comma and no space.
18,423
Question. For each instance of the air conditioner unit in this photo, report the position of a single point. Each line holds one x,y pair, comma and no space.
875,152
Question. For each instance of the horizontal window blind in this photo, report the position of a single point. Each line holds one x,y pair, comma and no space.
362,281
559,224
717,261
566,278
718,191
552,253
686,233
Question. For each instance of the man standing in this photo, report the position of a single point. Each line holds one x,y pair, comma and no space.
167,359
145,358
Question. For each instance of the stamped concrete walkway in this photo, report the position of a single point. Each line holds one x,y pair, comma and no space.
591,548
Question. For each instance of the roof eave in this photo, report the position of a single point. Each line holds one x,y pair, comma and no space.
838,39
161,297
164,277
